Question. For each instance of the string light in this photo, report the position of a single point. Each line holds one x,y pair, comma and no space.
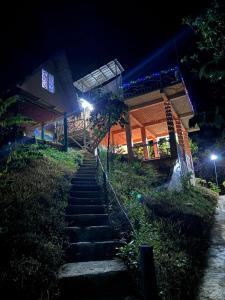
148,77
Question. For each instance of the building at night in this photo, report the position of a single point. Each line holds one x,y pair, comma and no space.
159,110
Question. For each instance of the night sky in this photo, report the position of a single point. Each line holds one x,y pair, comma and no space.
92,33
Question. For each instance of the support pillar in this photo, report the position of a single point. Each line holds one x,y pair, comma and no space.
143,139
129,138
188,148
155,148
180,137
170,125
42,131
186,142
179,132
65,133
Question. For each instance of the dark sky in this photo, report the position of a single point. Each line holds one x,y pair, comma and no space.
92,32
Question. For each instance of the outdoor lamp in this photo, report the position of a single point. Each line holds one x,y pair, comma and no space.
214,157
85,104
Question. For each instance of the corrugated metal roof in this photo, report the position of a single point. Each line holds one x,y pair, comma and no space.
99,76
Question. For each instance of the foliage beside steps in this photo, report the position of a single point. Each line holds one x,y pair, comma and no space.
175,223
34,186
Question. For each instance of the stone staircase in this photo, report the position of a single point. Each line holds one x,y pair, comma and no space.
91,271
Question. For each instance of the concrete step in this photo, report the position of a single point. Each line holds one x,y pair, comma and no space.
85,176
86,171
85,209
86,251
85,187
86,201
83,179
82,173
94,280
85,194
90,233
84,182
87,220
111,297
88,166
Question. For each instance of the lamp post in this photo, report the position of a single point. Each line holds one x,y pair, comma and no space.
214,157
86,105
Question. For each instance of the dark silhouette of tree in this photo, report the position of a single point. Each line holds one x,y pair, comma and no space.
9,122
207,60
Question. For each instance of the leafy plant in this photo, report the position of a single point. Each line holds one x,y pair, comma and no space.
207,60
33,197
175,223
209,57
164,147
8,122
109,110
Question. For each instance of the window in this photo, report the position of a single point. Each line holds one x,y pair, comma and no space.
48,81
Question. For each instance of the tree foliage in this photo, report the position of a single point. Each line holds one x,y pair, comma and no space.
9,121
109,110
208,59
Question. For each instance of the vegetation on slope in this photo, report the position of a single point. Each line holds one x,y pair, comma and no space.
34,183
175,223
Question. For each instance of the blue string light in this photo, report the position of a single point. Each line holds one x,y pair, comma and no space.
148,77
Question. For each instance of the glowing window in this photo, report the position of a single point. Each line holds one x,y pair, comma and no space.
48,82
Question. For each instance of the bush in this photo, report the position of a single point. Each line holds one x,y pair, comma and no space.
208,184
175,223
34,185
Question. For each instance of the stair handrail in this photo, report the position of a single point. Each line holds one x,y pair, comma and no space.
113,191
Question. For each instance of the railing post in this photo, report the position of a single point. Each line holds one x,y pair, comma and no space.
148,275
105,186
97,160
65,133
42,131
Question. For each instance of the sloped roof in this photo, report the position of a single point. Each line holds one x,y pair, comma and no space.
99,76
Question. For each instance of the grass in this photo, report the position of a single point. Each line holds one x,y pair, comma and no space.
34,185
175,223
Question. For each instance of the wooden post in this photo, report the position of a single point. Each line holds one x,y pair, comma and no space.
148,275
129,138
155,148
170,125
143,138
42,131
65,133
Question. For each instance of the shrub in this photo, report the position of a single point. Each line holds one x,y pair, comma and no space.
175,223
208,184
34,184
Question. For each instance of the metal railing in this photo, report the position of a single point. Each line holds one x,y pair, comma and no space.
151,83
117,213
